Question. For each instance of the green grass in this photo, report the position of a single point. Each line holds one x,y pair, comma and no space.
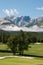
3,47
21,61
6,54
36,49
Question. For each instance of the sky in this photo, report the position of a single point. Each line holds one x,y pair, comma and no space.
32,8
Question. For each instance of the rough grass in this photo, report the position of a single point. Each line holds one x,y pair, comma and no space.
21,61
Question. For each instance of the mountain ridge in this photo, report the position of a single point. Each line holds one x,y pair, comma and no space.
24,23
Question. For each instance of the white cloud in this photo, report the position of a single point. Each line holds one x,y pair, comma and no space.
15,11
6,12
10,12
39,8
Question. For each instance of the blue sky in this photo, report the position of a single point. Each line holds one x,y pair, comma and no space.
32,8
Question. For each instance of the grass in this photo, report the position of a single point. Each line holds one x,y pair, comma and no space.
36,49
6,54
3,47
21,61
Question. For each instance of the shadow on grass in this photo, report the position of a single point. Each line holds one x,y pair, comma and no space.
27,55
32,55
5,51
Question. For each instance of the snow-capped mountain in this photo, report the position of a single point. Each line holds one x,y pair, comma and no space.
18,21
24,23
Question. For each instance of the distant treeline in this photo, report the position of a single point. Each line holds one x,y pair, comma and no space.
32,36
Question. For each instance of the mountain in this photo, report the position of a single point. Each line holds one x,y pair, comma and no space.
18,21
24,23
36,24
14,23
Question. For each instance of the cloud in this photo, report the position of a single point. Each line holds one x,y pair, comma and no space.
10,12
15,11
39,8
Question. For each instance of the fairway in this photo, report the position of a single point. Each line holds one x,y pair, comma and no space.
36,49
21,61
